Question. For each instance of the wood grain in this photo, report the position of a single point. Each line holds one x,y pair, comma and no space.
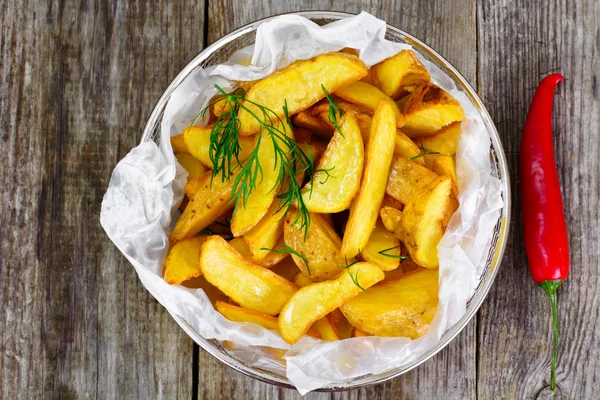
448,26
77,82
518,46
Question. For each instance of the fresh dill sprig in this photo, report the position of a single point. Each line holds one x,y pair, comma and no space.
424,153
287,249
290,160
326,172
347,267
400,256
334,110
224,136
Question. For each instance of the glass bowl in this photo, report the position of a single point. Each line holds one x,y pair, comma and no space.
218,53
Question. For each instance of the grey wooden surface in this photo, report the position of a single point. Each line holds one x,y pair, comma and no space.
79,79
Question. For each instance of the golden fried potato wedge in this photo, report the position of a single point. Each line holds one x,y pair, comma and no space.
193,186
315,301
266,233
305,119
251,286
406,179
444,141
302,280
326,329
444,165
368,96
339,171
358,333
391,218
343,327
272,259
286,268
182,262
239,314
212,292
408,149
424,221
401,307
248,213
320,249
399,71
383,248
389,201
300,85
178,144
197,141
208,204
194,168
356,109
428,109
378,157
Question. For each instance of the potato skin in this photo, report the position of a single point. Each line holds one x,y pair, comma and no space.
402,307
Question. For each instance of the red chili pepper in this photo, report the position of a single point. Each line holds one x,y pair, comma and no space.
546,240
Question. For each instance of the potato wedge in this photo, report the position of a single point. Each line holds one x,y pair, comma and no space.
302,280
337,179
182,262
178,144
444,165
212,292
266,233
300,85
305,119
378,157
208,204
424,221
326,329
401,307
193,186
389,201
383,248
356,109
194,168
315,301
391,219
247,214
239,314
406,179
445,141
272,259
251,286
399,71
343,327
320,248
428,109
358,333
406,148
368,96
197,141
286,268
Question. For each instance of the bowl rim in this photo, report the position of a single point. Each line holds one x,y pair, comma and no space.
480,293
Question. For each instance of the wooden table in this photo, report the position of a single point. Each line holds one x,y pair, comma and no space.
78,79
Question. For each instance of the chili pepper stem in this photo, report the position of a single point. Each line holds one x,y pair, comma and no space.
550,288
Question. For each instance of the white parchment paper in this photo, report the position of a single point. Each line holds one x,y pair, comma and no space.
146,187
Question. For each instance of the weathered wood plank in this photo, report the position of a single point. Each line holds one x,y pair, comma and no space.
519,45
77,82
448,26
